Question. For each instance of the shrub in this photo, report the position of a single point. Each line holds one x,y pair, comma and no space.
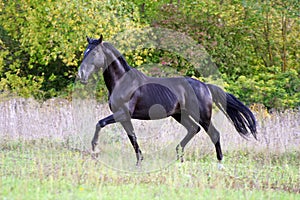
44,40
281,90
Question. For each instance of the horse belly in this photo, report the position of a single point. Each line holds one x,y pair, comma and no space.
155,102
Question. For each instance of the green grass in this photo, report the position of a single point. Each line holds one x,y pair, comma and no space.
47,169
40,157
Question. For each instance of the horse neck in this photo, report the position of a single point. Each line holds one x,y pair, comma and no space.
114,72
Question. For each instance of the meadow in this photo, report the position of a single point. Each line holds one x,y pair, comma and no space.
45,154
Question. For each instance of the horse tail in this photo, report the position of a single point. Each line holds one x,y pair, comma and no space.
240,115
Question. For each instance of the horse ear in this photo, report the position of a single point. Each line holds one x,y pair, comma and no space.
88,39
101,38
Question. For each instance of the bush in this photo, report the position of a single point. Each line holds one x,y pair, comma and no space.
44,41
281,90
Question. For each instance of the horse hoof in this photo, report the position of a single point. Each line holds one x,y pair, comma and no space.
138,164
94,144
221,166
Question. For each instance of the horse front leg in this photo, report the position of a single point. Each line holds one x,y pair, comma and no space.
119,116
96,137
103,122
132,137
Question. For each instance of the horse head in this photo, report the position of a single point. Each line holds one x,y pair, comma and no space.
93,60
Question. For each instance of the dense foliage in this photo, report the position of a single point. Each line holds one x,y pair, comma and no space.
43,41
255,45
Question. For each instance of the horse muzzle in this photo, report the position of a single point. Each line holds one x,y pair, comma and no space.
81,77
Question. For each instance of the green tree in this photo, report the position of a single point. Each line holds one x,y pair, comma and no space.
45,40
254,44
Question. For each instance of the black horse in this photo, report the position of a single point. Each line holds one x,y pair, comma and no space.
133,95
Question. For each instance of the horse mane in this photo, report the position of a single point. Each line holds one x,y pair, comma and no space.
111,48
114,55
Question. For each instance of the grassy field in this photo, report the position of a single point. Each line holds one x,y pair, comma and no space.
40,160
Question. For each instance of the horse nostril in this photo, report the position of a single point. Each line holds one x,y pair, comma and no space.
80,74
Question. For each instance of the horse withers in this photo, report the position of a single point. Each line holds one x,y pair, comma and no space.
133,95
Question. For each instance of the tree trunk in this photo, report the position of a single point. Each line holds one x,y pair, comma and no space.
267,31
284,41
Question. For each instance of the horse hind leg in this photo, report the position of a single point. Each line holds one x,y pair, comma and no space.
192,130
214,135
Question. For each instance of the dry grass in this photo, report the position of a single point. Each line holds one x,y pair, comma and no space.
60,119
